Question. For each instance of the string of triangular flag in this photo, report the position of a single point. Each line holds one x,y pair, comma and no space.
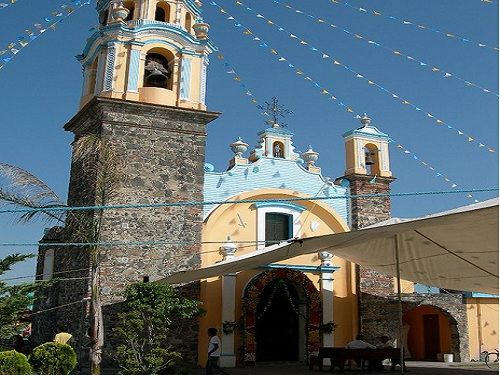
49,22
448,181
336,62
419,26
442,73
6,4
236,78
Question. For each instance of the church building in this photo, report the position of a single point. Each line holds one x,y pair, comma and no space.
144,94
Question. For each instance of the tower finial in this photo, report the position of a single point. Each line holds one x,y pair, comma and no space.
365,120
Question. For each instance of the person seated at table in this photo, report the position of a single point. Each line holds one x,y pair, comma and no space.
359,343
384,342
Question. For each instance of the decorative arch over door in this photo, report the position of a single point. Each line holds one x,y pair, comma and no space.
252,297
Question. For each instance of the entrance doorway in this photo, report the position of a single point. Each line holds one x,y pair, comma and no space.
431,336
278,321
432,331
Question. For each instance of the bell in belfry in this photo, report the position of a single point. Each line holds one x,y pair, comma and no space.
368,158
156,73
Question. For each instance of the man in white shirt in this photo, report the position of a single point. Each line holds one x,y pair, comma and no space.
359,343
213,353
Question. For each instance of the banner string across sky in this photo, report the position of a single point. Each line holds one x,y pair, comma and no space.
419,26
6,4
428,115
49,22
394,52
230,70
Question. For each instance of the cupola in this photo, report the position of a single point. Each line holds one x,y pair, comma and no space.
367,150
151,51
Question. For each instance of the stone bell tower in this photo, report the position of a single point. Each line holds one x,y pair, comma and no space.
368,172
144,95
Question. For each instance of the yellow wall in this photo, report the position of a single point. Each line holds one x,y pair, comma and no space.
228,220
482,318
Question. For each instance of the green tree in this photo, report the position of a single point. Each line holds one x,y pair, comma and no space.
53,358
14,363
144,329
15,299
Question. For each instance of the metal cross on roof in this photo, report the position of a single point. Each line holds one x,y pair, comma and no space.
275,110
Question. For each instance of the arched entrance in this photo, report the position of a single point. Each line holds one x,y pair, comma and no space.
431,332
281,315
280,319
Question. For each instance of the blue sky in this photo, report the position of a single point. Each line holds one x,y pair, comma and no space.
41,88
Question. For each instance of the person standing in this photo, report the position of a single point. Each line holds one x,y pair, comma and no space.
214,351
63,337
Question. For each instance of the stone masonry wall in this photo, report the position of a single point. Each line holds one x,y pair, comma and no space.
160,152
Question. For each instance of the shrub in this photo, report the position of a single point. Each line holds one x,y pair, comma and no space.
53,358
14,363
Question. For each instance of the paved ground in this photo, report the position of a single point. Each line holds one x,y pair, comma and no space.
414,368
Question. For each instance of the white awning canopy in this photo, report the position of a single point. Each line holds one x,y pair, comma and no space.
456,249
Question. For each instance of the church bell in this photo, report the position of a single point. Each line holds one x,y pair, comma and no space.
156,78
368,158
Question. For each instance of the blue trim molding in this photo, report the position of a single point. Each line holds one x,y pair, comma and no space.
302,268
290,206
133,73
479,295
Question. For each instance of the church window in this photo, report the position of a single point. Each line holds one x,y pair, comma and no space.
103,17
278,150
130,5
188,23
156,71
278,228
162,12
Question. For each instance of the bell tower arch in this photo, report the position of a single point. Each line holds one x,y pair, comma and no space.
129,30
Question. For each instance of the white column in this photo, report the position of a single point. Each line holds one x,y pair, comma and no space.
228,358
326,284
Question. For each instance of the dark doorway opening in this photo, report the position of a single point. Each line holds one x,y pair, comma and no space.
277,327
431,337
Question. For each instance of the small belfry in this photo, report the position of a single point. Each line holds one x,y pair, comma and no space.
150,51
367,150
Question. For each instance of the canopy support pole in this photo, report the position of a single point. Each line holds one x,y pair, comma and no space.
400,305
